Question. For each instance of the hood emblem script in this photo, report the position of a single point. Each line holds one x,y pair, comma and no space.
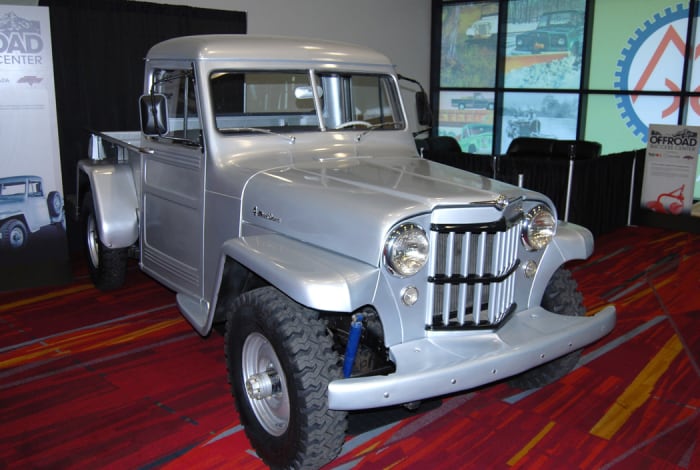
265,215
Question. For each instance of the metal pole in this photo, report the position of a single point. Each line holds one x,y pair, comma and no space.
629,208
572,156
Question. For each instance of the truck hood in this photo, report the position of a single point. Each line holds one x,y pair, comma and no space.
348,205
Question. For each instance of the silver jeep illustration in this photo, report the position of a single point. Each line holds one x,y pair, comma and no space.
24,209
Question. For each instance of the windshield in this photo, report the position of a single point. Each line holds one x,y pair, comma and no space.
283,101
559,18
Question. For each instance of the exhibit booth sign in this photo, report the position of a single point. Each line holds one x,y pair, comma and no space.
669,168
33,241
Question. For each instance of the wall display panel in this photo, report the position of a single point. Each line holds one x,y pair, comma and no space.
544,43
469,45
640,50
468,117
602,123
551,115
692,118
692,111
638,69
638,44
694,80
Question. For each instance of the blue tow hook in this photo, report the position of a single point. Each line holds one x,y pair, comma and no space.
353,343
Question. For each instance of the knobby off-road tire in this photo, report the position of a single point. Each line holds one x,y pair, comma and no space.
561,296
269,335
107,266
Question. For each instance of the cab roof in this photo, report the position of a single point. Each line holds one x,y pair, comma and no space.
235,47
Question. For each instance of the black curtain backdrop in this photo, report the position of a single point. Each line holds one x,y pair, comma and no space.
98,52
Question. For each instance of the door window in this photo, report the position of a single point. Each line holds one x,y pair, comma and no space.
183,116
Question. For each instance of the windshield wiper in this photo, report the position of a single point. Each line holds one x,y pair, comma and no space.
260,130
396,124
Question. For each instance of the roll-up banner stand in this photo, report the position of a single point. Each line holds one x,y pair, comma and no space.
33,244
669,169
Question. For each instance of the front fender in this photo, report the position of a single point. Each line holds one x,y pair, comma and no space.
313,277
571,242
115,201
10,214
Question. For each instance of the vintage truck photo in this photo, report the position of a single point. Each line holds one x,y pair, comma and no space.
275,186
476,138
25,209
556,31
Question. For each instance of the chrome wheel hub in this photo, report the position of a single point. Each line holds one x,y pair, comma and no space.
266,389
92,242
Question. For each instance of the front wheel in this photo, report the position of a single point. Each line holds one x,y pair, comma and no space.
280,361
14,234
107,266
561,296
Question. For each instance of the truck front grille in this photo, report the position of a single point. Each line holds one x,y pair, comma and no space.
472,275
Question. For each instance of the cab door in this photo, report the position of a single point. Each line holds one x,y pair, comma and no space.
36,210
173,189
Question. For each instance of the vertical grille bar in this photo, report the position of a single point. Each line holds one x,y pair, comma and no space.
479,271
513,236
432,270
466,239
449,261
496,268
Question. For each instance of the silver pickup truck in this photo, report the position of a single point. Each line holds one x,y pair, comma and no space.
275,186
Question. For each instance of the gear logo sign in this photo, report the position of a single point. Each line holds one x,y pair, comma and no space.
651,63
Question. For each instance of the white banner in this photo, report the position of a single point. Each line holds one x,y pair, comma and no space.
32,220
669,168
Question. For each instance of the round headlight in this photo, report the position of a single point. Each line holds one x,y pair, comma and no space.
406,250
539,228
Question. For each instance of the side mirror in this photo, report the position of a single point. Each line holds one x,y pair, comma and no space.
154,114
425,117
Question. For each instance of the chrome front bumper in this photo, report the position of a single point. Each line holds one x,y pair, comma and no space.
445,363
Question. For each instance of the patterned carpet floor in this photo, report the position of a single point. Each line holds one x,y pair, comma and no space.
120,380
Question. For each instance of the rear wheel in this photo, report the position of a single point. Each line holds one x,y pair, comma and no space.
280,362
561,296
107,266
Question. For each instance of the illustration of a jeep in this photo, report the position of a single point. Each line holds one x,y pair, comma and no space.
524,124
556,32
24,209
476,138
484,28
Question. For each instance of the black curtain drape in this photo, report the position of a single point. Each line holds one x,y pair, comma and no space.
98,52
